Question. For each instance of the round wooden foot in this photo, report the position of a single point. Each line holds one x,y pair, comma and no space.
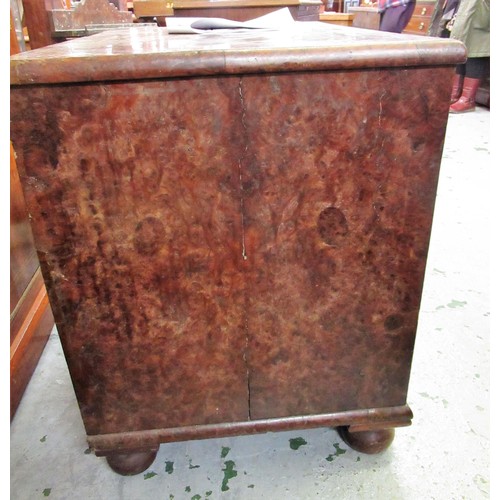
370,442
130,463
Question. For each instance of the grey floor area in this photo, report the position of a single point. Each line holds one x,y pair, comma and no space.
443,455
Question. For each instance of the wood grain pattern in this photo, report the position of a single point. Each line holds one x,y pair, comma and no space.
153,53
141,256
31,318
30,327
23,258
164,304
249,263
337,216
38,22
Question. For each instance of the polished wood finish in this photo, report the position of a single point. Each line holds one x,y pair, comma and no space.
86,18
337,18
370,442
132,462
38,22
53,21
244,266
358,420
85,59
14,43
23,258
31,318
31,325
152,8
421,20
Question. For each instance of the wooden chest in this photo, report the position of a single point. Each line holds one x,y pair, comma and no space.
233,226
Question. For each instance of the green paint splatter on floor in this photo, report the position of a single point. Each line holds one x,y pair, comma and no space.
225,450
296,443
196,497
208,493
456,303
439,271
46,492
439,307
149,475
169,467
338,450
43,439
251,486
88,451
191,466
428,396
229,473
358,459
187,489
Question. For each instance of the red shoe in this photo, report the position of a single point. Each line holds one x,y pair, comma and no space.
456,90
467,101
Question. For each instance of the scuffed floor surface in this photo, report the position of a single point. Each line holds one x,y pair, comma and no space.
443,455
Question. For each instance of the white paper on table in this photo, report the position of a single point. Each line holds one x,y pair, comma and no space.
274,20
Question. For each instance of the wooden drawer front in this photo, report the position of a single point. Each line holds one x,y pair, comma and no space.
421,20
424,9
418,25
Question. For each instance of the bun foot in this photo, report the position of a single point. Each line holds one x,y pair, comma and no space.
132,462
370,442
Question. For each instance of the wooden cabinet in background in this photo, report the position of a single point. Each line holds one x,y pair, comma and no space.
31,319
339,18
420,22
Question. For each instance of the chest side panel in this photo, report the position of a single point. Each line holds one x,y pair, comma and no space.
133,189
338,187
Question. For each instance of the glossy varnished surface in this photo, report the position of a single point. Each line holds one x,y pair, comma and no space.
151,52
337,219
252,251
234,248
142,250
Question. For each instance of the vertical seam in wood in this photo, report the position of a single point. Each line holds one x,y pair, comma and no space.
243,122
243,246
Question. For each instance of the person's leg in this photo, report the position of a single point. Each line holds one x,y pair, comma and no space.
475,70
458,81
395,19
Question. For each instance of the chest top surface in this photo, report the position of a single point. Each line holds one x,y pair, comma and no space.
151,52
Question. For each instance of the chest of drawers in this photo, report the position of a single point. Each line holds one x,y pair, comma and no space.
233,226
421,19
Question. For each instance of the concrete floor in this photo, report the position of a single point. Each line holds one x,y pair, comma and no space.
443,455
